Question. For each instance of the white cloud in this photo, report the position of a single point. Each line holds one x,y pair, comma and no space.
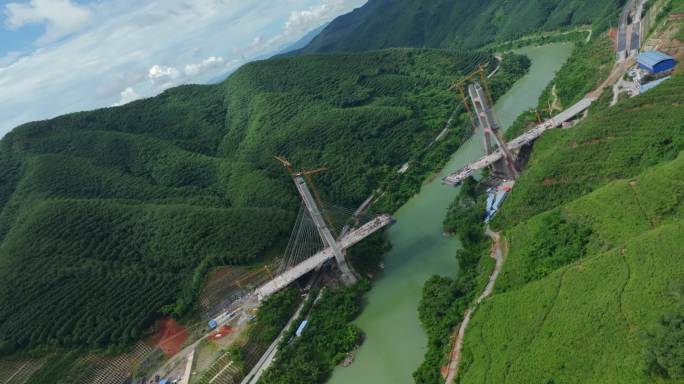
209,63
127,95
9,58
300,22
164,77
61,17
144,45
115,83
159,72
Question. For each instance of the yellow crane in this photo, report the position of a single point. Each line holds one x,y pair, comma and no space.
460,86
306,174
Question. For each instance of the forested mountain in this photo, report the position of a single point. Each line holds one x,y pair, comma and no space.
108,217
304,41
112,217
455,23
592,288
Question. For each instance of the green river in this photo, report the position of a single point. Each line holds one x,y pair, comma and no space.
395,343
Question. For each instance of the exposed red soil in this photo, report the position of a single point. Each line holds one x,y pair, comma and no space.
222,332
444,371
169,337
613,36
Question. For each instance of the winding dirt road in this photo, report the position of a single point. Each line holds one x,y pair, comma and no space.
498,255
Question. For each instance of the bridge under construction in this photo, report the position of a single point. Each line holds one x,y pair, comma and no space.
312,242
505,151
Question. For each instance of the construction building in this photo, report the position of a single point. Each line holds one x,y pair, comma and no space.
655,63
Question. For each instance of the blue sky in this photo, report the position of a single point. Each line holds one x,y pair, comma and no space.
60,56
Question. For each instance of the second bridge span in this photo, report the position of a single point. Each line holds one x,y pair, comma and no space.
459,176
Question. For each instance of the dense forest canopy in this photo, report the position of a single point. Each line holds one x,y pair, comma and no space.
118,213
455,23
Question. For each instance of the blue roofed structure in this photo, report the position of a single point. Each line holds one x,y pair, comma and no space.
655,62
648,86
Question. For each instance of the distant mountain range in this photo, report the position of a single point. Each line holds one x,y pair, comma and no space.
299,44
454,24
304,41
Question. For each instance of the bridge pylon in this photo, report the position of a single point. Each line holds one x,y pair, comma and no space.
312,202
507,167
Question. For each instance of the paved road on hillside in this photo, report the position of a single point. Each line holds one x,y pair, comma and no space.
267,358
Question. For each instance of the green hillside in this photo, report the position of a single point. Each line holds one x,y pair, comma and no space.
585,323
591,291
316,110
452,24
617,143
117,214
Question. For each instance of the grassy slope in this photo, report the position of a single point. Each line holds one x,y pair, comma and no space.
450,24
586,321
616,143
678,7
583,323
133,204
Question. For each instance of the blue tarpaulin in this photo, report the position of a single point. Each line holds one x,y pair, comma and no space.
301,328
653,84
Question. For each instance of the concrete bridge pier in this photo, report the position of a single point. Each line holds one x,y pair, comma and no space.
349,276
506,167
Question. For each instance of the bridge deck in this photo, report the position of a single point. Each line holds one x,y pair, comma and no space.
526,138
283,280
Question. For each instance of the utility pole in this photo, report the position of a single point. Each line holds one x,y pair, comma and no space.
312,205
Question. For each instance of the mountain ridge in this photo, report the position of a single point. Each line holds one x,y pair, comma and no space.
453,25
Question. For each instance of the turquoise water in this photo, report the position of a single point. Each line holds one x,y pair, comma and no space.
395,343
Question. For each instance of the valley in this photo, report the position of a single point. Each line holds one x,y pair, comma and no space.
183,251
394,345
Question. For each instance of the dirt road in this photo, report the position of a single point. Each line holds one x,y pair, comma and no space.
498,256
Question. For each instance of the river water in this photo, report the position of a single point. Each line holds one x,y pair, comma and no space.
395,343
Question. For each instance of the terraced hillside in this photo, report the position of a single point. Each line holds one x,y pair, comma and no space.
110,217
591,291
454,24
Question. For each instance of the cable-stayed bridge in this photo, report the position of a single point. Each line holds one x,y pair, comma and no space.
293,270
321,232
497,155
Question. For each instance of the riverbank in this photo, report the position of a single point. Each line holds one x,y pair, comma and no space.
497,253
395,342
590,290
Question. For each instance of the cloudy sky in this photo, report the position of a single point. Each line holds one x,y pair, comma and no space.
59,56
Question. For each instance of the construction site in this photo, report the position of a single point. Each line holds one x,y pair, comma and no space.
203,350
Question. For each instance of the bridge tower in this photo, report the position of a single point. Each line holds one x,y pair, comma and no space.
486,119
302,179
